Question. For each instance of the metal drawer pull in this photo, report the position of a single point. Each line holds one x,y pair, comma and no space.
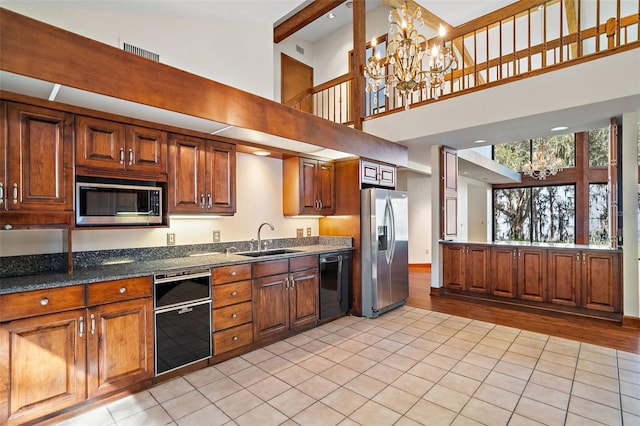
123,289
44,301
234,315
234,273
81,325
185,310
15,193
234,338
93,324
234,293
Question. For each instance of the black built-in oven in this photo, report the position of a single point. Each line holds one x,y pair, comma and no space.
182,319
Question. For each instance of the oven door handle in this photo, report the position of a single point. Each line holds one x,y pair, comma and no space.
159,279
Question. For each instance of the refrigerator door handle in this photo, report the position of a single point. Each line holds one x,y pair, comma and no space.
390,217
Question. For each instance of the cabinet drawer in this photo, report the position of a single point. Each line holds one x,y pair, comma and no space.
230,294
118,290
302,263
272,267
39,302
228,274
230,316
224,341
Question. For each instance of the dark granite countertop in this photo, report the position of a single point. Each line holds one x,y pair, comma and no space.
539,245
144,268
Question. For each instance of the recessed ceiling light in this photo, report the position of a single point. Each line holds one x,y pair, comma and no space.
480,141
559,128
262,153
331,15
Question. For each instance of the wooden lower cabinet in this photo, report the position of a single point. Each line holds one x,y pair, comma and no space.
286,300
466,267
120,345
51,361
232,308
42,365
599,268
518,272
563,283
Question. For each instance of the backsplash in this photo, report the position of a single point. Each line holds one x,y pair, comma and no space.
14,266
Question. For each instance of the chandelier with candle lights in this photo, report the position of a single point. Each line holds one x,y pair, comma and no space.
543,164
402,68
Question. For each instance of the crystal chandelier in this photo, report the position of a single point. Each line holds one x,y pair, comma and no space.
543,165
404,60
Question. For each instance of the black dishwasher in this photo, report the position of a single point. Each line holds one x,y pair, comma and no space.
335,281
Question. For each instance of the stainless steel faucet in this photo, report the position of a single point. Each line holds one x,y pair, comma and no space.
260,229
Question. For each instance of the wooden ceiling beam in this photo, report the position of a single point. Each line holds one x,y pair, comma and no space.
303,18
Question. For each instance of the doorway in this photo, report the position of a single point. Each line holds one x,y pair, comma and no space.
295,78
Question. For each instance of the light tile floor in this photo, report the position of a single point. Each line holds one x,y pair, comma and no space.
408,367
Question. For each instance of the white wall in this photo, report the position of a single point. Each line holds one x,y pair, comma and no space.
216,50
477,217
259,199
418,187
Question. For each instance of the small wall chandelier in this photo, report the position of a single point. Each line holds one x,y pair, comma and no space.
543,164
404,60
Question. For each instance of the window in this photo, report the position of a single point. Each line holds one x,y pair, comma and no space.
599,147
535,214
598,214
516,154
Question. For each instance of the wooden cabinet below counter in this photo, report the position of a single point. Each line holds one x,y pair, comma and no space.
232,307
56,352
564,278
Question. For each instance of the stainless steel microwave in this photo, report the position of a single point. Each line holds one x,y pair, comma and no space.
103,204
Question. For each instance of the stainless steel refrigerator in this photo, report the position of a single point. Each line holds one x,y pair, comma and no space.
385,257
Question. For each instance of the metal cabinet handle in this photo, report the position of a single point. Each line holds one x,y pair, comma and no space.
44,301
234,293
234,315
93,324
293,283
202,201
320,204
234,273
234,338
15,193
131,158
209,205
121,155
123,289
286,283
1,193
7,226
81,326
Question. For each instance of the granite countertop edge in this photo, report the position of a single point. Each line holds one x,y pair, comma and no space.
147,268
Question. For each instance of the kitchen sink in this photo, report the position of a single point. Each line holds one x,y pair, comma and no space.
267,252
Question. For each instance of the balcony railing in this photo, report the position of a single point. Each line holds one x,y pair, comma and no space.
518,41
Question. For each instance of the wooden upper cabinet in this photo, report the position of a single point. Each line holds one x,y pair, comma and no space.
377,174
107,148
202,176
36,170
308,187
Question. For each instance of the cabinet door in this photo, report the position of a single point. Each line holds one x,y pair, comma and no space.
454,266
601,281
42,365
387,175
120,345
478,267
270,306
308,186
186,175
326,188
4,196
564,277
146,150
303,298
368,172
504,272
99,144
221,177
532,274
39,159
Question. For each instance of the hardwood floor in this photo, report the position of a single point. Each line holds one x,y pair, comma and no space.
598,332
